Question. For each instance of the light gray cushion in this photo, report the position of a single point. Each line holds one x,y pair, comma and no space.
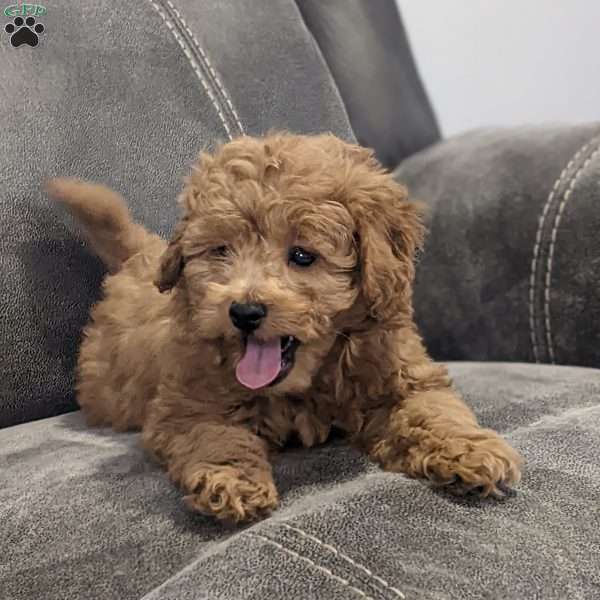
85,514
512,261
111,95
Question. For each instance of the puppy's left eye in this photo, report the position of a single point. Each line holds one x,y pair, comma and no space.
301,257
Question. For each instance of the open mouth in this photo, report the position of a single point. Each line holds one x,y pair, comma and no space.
266,362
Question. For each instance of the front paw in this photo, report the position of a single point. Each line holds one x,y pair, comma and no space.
232,495
482,462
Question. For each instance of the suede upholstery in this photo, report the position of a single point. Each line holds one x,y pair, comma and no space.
86,514
511,266
367,50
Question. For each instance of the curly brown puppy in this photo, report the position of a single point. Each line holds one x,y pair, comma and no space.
281,306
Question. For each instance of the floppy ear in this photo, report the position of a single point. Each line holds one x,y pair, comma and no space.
171,262
389,232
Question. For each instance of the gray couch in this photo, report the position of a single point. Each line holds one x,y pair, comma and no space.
509,275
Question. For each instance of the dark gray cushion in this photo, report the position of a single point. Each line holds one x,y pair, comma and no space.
85,514
128,99
368,52
512,261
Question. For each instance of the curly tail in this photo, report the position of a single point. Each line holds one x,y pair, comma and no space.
104,217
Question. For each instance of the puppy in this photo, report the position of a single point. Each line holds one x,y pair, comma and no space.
281,306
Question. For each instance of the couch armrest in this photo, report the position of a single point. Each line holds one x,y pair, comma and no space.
511,269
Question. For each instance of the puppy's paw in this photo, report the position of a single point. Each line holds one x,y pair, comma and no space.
231,495
482,463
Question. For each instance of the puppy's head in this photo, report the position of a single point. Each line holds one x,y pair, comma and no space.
287,242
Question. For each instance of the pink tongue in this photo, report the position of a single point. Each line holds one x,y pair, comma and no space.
260,364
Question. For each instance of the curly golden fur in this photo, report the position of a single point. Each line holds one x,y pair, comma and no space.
160,351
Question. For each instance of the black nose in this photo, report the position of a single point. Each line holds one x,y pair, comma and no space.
247,317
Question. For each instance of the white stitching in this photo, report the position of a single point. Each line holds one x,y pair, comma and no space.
337,578
210,68
194,65
536,248
346,558
557,219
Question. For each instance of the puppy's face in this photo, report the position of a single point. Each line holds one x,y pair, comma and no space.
286,243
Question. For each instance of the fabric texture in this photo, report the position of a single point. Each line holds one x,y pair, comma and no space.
367,50
128,102
510,269
86,514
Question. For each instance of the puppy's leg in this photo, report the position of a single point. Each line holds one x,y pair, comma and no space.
224,469
433,434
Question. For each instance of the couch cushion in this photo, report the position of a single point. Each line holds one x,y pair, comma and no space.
128,99
85,514
510,268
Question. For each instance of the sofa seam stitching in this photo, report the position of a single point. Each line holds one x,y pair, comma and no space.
195,67
209,67
343,556
550,261
321,568
537,245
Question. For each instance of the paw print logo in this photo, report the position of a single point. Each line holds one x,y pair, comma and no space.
24,31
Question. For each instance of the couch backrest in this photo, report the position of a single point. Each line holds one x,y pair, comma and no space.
368,52
127,99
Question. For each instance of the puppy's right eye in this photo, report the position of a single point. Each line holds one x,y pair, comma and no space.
219,251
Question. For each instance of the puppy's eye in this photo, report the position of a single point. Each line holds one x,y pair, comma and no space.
301,257
219,251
